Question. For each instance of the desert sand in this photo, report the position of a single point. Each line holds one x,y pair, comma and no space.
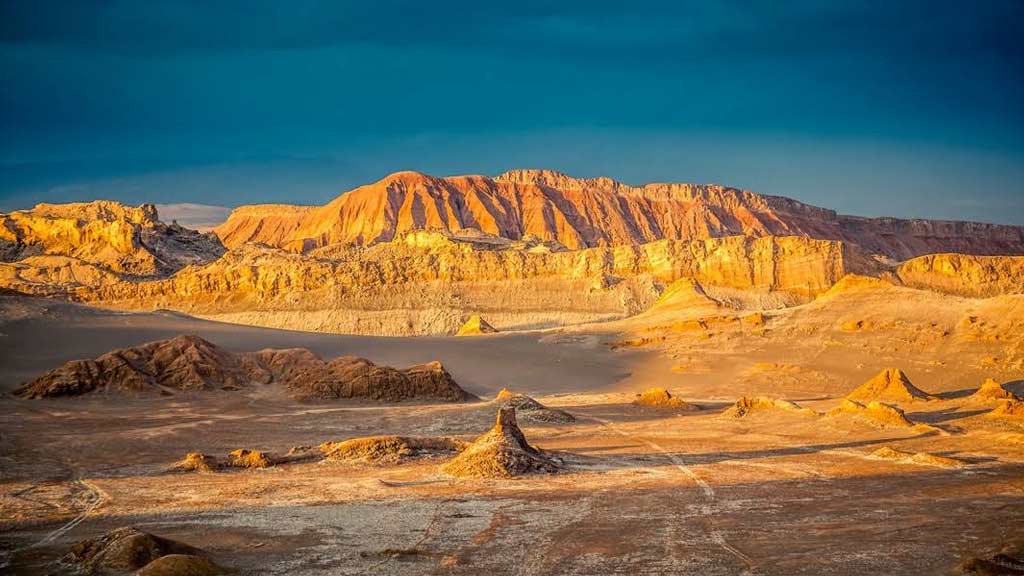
634,490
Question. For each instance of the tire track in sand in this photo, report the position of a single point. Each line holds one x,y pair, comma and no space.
709,493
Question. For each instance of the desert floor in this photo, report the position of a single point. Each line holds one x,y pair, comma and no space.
643,491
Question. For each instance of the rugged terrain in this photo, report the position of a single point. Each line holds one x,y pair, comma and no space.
54,248
590,212
191,364
414,255
684,377
694,488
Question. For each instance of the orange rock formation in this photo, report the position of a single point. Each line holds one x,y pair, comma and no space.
890,385
589,212
476,325
660,398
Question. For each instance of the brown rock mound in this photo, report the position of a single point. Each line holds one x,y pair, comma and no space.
121,551
531,409
243,458
922,458
1008,409
879,415
197,462
354,377
390,449
890,385
991,390
476,325
183,363
503,452
751,404
190,363
240,458
663,400
182,565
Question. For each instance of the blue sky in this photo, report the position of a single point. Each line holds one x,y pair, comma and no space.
876,108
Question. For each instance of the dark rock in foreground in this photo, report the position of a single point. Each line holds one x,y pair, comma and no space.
189,363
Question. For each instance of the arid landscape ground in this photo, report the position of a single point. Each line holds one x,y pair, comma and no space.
561,376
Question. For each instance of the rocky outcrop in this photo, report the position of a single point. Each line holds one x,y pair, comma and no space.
185,363
965,275
748,405
476,325
354,377
591,212
921,458
991,391
889,385
110,236
530,409
1008,410
125,550
503,452
873,413
390,449
661,399
426,285
189,363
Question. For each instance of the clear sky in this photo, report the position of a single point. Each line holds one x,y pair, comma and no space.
906,108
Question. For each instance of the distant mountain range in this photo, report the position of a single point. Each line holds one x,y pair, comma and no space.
414,254
591,212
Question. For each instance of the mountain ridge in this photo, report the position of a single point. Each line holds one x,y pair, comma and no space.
592,212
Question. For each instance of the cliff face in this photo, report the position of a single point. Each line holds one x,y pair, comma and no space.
595,212
427,282
414,254
111,237
964,275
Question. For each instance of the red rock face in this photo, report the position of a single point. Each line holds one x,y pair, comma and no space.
582,213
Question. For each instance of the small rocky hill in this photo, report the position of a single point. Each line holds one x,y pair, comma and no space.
191,364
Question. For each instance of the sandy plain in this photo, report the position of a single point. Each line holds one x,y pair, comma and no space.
642,491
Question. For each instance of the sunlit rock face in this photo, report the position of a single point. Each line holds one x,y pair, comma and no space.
965,275
430,287
414,254
591,212
106,235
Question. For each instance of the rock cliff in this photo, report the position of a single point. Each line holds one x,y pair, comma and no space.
965,275
413,254
591,212
426,283
107,235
